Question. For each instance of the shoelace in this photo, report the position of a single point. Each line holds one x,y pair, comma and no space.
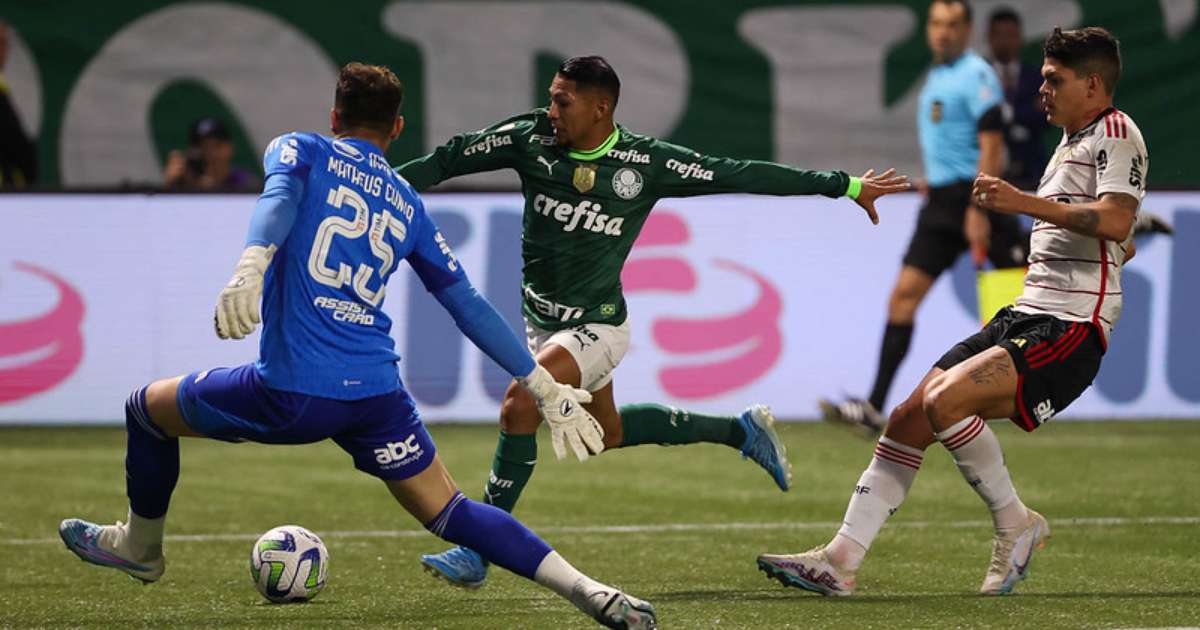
1002,548
110,539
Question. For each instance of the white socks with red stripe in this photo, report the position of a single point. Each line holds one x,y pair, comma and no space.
880,491
977,452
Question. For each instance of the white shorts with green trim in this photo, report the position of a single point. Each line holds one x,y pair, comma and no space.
596,348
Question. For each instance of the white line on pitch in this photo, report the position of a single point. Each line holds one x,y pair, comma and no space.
1104,521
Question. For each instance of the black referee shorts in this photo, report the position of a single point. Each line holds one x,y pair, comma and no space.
938,240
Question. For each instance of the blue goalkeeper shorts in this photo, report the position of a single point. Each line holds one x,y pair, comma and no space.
383,433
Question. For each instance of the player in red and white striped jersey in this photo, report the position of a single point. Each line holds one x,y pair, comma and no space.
1072,275
1032,359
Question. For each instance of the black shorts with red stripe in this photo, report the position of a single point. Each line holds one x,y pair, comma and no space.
1056,360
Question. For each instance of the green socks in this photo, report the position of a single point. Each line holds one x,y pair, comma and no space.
641,424
659,424
511,470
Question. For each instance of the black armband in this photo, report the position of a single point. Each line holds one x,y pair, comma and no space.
991,120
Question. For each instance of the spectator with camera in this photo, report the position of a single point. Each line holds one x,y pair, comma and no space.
207,163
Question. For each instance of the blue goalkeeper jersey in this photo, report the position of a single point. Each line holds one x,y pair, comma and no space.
324,330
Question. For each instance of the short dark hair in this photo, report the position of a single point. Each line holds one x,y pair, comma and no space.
1087,51
593,71
368,96
1004,14
965,5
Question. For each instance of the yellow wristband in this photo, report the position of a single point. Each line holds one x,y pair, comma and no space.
854,188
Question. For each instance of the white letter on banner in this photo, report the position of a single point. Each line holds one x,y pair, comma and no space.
25,84
828,68
1178,15
479,61
274,77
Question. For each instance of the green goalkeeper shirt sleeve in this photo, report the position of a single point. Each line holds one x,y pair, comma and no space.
492,148
686,173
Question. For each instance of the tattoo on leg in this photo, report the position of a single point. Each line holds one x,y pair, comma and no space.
981,375
989,371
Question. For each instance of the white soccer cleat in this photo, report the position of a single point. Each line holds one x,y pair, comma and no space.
108,546
614,609
811,571
1011,551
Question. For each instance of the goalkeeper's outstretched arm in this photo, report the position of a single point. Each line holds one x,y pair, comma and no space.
560,405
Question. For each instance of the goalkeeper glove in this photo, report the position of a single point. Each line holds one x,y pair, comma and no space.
237,306
562,407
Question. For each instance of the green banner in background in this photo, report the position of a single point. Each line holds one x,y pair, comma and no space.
109,89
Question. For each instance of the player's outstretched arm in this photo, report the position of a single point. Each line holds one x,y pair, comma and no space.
1110,217
866,189
686,173
237,312
560,405
490,149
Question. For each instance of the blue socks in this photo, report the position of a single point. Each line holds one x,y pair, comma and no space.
152,468
151,460
491,532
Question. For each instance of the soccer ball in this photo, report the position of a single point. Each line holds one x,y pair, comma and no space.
289,564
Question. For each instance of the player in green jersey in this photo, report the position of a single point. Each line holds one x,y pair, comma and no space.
589,185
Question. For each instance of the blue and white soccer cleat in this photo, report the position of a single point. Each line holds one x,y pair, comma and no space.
764,446
614,609
105,546
811,571
1012,550
459,566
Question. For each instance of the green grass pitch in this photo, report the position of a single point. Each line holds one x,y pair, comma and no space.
1123,499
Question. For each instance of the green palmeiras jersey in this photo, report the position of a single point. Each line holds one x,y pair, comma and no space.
583,211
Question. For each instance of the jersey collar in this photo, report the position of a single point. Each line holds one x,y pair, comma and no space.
967,52
1088,127
360,143
600,151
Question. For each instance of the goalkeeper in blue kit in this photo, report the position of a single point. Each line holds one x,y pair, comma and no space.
330,228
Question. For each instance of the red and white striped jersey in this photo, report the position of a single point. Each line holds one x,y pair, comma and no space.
1072,276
